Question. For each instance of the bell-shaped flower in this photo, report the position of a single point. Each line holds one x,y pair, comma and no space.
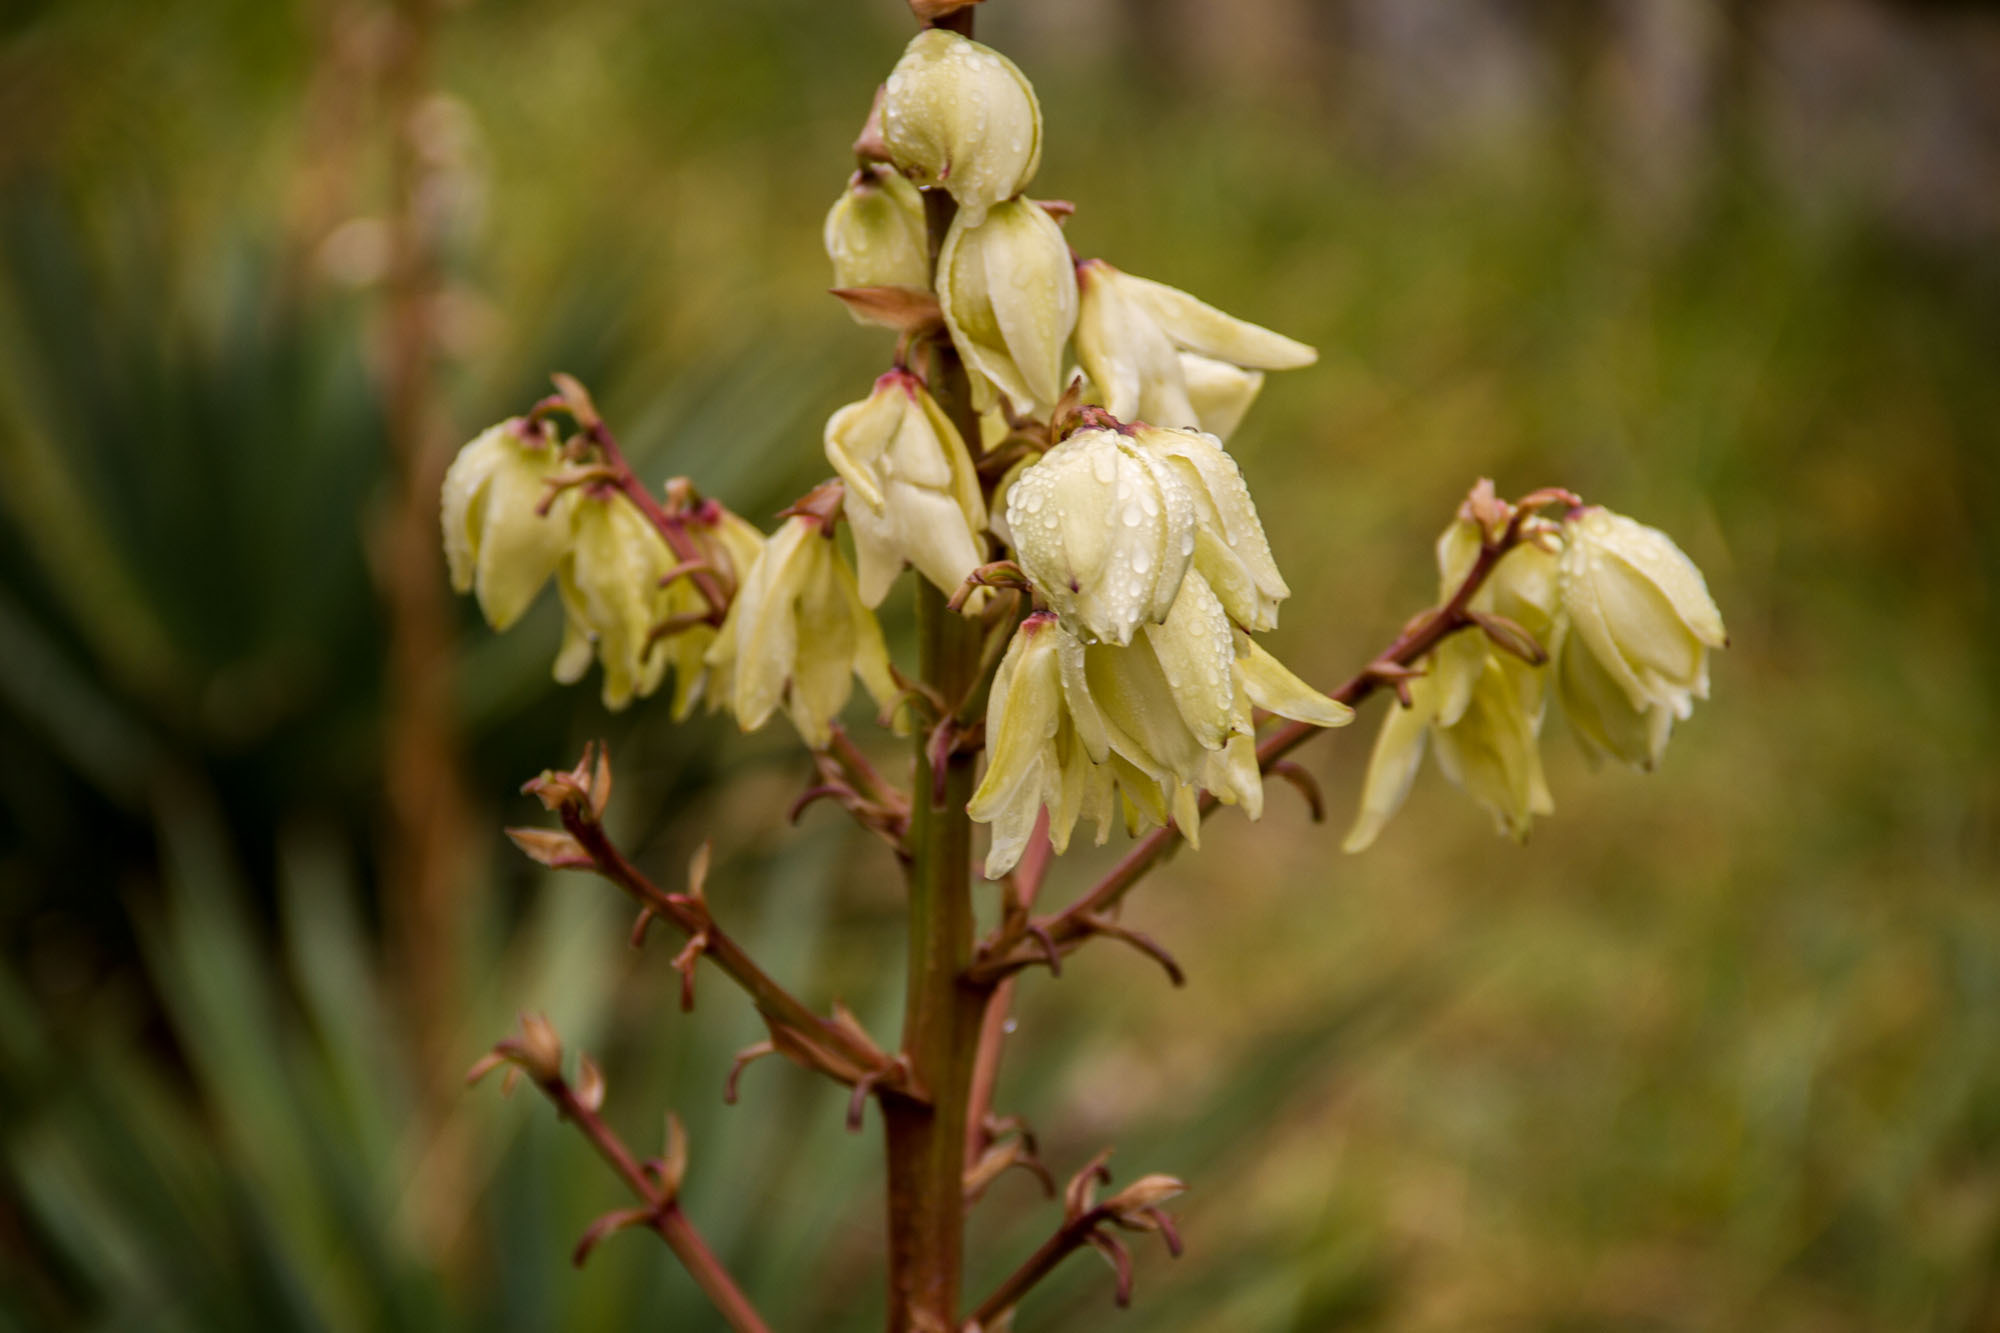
1483,707
1230,549
1640,611
497,545
1491,750
875,234
1034,757
681,631
612,598
911,491
959,115
1132,335
1219,393
1104,529
1008,293
1073,725
796,634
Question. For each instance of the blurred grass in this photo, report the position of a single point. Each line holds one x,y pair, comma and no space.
1716,1050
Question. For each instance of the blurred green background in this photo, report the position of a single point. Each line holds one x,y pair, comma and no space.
1720,1048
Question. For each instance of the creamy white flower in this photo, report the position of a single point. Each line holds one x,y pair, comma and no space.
1155,721
496,545
1230,550
1482,707
1158,355
1105,530
911,491
1490,748
797,633
1219,393
874,233
612,598
1034,757
1008,293
1640,611
960,115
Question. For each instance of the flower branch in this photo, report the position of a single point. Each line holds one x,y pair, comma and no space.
836,1047
1087,1222
538,1053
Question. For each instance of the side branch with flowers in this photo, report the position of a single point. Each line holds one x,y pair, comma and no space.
1047,452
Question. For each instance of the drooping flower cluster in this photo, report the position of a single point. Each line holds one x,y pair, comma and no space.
1148,550
516,514
1627,622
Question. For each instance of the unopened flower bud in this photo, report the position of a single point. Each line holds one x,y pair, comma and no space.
1104,529
797,633
959,115
1231,550
540,1050
911,491
1641,612
496,545
875,233
1008,293
1130,1203
1158,355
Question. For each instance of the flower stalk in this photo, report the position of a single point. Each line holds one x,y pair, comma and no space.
942,1011
1091,574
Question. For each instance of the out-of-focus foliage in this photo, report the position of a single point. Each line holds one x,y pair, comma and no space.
1718,1049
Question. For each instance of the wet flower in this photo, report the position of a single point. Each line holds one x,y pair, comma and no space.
1104,529
959,115
911,491
1008,293
1230,549
875,234
796,634
1153,721
496,545
1034,756
1640,623
1158,355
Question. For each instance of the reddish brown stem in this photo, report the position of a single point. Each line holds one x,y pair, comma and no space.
667,1218
778,1005
1085,1229
1026,884
671,527
1024,946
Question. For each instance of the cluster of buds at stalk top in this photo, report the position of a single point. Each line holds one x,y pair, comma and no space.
1609,612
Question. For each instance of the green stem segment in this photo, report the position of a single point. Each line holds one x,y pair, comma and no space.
941,1021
